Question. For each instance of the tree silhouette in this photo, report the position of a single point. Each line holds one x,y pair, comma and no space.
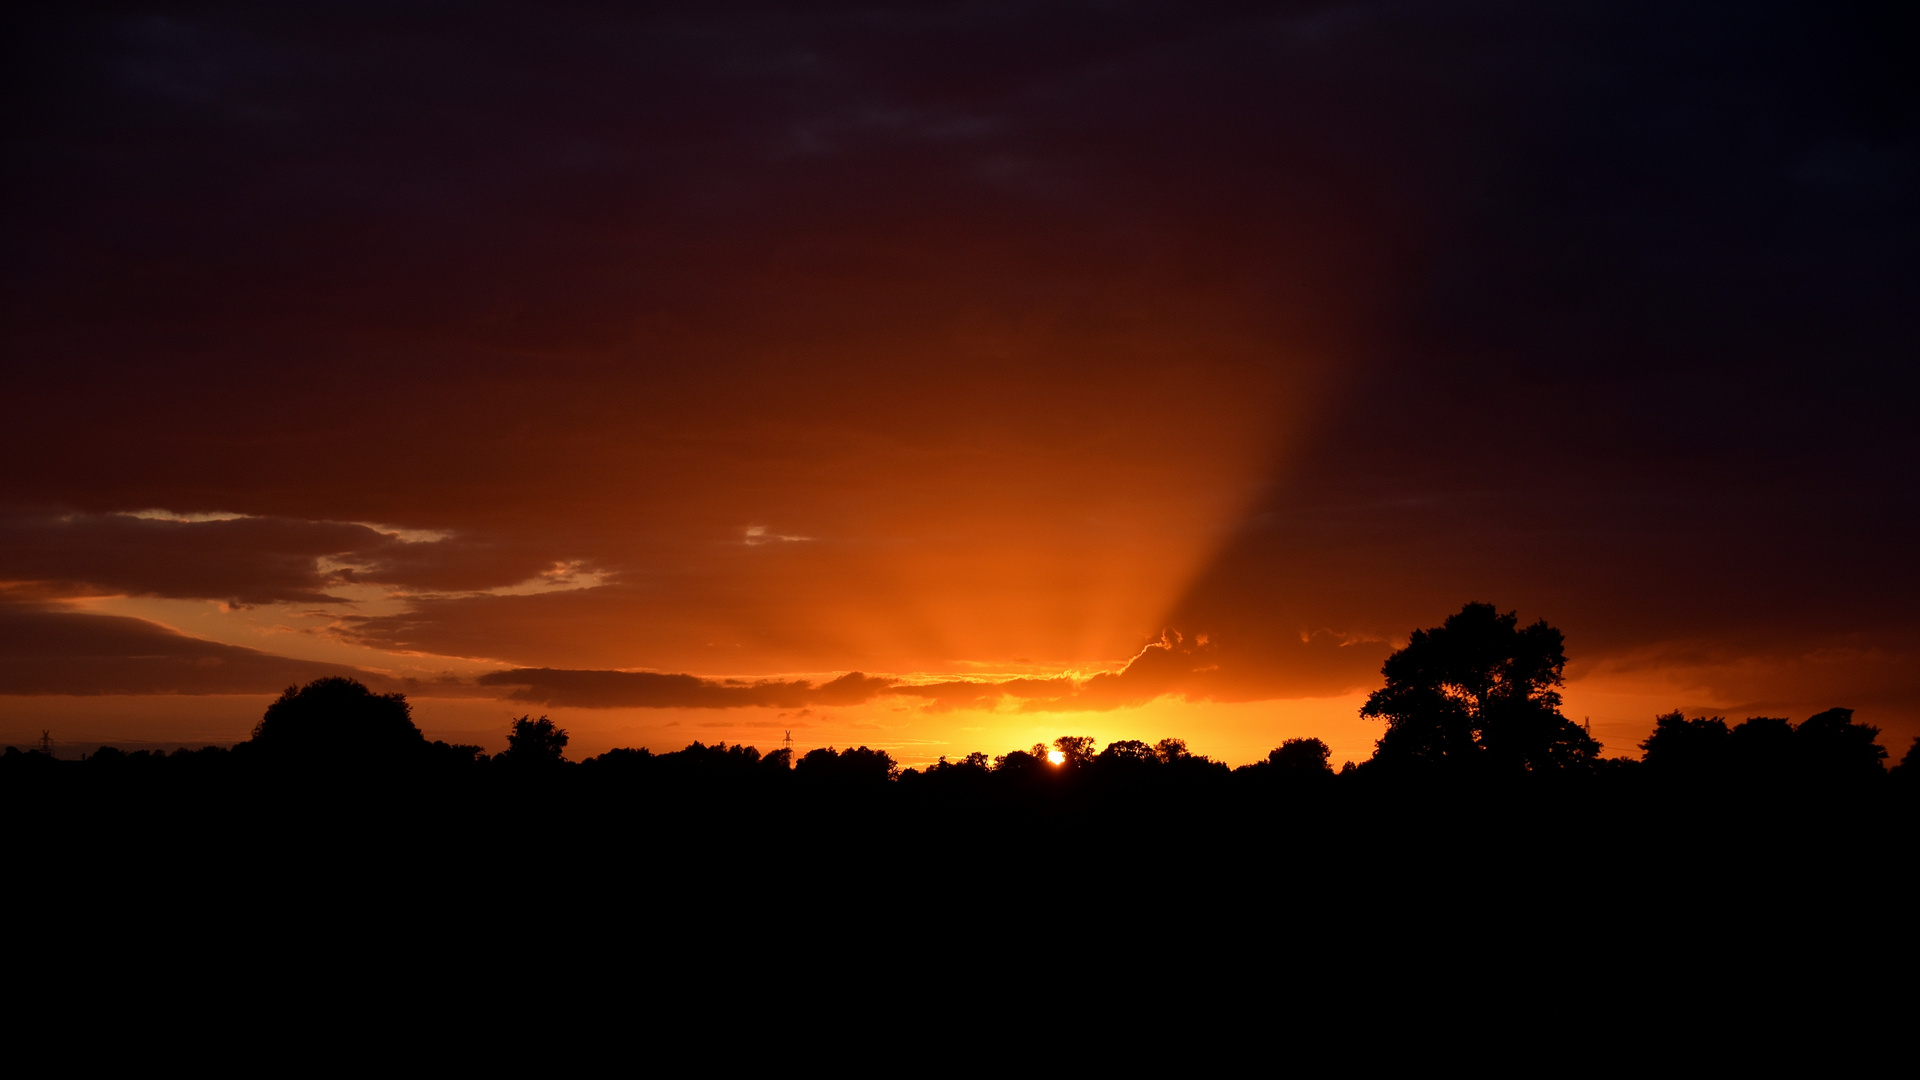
1908,771
624,761
975,762
867,766
1480,689
1832,747
1076,749
1020,762
852,766
1127,753
1761,748
1301,757
1679,746
1827,748
337,719
535,742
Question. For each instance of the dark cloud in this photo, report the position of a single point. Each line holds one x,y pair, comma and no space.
649,690
243,560
247,560
46,651
1196,669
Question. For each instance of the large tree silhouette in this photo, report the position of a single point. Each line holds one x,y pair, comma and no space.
1301,757
338,720
1833,747
1689,748
535,742
1479,689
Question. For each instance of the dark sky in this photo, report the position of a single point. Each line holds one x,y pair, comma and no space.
945,341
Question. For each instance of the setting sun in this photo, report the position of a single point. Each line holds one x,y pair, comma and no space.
1055,757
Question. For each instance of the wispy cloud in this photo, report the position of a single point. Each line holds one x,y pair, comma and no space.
760,534
561,576
192,518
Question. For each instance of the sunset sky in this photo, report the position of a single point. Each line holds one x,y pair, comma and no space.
1127,370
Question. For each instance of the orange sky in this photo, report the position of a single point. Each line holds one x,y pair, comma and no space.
514,359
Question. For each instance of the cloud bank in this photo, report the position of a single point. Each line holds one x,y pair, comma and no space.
46,651
1196,669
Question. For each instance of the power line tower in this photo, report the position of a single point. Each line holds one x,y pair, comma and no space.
788,743
46,742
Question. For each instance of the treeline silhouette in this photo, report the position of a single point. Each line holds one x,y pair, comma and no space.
1480,798
1475,700
337,728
